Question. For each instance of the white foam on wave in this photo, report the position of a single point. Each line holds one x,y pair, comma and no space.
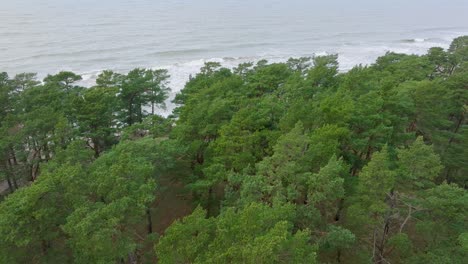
349,55
181,72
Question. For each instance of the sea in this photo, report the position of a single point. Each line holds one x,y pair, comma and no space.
88,36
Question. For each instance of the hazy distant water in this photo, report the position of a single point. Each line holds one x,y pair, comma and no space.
86,36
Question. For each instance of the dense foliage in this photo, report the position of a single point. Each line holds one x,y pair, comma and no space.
279,163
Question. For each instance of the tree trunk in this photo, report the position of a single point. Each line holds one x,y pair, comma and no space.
150,220
15,183
152,102
338,256
130,113
9,173
340,208
140,114
380,258
200,158
10,186
44,247
31,172
46,152
451,139
35,171
209,209
13,156
96,149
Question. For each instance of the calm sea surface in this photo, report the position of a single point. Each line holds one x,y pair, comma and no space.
47,36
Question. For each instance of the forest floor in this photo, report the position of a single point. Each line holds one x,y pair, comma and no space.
174,201
3,187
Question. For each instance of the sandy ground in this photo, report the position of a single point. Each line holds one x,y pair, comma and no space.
3,187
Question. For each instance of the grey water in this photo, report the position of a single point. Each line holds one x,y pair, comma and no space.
87,36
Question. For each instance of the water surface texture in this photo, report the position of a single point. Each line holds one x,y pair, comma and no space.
47,36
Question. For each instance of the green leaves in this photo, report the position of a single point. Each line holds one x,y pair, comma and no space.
337,238
97,233
326,186
32,216
419,164
256,234
377,179
186,239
